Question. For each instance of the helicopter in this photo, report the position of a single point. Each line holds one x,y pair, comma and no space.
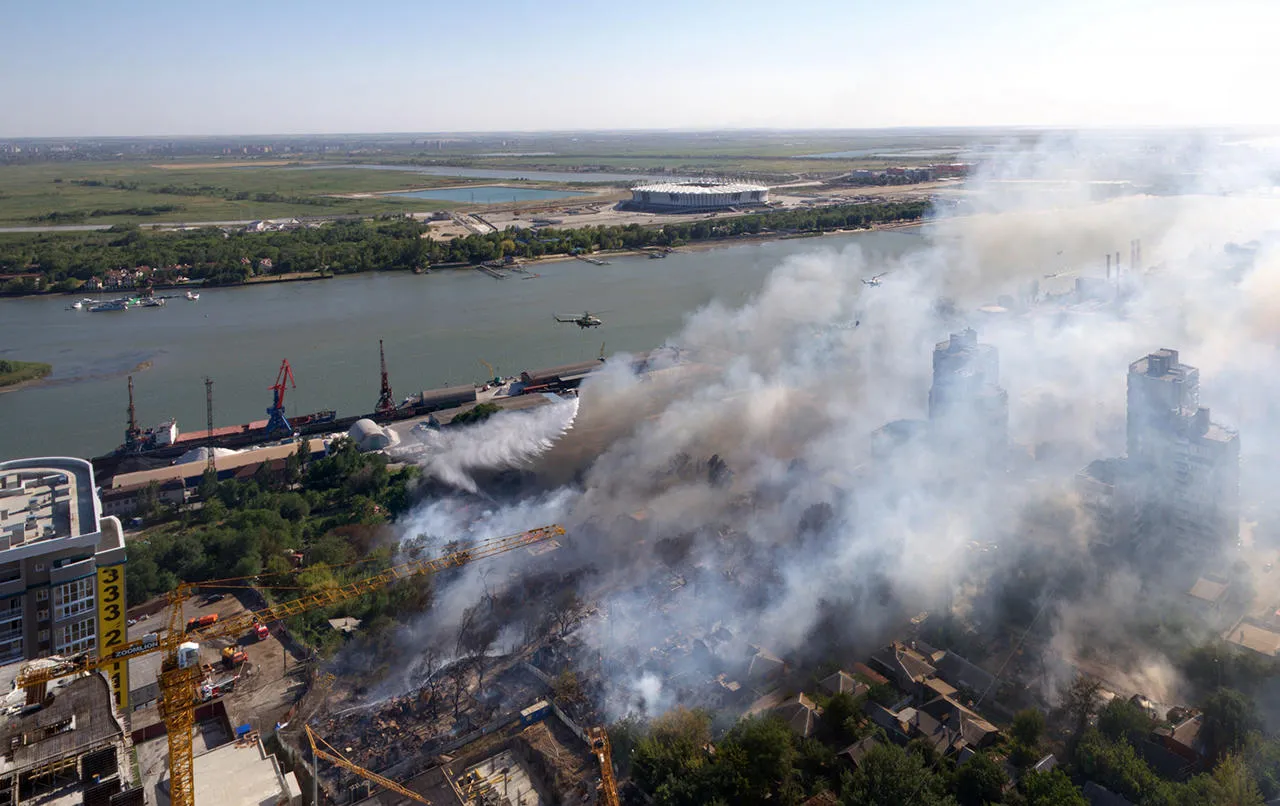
585,321
874,281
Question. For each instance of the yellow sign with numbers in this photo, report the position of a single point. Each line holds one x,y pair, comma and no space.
112,632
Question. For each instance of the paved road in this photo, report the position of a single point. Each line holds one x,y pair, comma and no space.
174,224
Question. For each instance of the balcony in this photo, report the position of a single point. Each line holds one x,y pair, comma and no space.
72,571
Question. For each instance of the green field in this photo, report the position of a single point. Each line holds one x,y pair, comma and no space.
15,372
55,193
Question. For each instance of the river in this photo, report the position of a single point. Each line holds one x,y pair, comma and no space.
437,328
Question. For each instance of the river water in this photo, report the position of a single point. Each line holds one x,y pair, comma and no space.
437,328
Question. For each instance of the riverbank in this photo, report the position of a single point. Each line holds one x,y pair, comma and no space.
448,253
15,375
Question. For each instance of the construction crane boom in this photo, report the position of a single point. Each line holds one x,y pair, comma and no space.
180,675
334,757
603,752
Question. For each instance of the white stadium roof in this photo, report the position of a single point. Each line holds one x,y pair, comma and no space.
699,187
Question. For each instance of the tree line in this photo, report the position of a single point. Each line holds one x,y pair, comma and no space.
64,261
318,524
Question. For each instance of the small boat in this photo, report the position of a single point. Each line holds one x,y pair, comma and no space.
193,297
151,302
78,305
657,255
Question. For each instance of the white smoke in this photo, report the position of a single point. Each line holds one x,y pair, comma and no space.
505,440
787,398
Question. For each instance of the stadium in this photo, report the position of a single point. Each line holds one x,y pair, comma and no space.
697,196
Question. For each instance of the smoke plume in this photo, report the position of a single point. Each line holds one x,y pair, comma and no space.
739,493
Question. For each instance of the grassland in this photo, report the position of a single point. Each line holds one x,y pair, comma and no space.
48,193
13,373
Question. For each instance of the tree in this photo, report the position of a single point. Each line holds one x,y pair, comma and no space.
1051,788
889,776
839,718
1262,756
1121,719
1080,701
1229,716
1028,727
758,754
1234,784
884,694
980,781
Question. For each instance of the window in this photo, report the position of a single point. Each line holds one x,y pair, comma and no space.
43,636
73,598
75,637
39,567
42,615
42,595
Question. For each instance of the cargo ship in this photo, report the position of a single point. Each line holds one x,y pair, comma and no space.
163,444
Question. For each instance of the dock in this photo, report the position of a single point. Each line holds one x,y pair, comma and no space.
593,260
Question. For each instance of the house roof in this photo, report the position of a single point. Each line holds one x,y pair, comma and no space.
869,673
764,663
1100,796
960,721
855,752
842,683
962,674
903,663
800,714
1209,590
1186,732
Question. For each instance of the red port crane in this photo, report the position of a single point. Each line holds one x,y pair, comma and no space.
276,421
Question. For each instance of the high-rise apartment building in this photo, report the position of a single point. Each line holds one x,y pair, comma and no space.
968,411
61,563
1187,466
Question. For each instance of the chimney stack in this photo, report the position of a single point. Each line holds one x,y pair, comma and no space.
1108,265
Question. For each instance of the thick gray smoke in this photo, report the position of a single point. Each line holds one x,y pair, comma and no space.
734,494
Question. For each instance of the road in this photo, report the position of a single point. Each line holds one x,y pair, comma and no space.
174,224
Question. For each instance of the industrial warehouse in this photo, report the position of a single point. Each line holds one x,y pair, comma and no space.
689,197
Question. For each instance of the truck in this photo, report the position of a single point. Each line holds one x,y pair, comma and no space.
201,621
260,630
233,656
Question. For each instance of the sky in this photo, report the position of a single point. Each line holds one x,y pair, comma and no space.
134,67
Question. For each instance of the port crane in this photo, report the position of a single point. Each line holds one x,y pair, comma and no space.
276,421
386,400
180,671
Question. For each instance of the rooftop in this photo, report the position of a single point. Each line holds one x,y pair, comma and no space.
242,773
1209,590
46,499
1163,364
1255,637
706,188
79,719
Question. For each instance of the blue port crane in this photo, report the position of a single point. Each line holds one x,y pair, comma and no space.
276,421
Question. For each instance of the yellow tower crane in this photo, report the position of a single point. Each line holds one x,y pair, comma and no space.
180,663
332,755
603,752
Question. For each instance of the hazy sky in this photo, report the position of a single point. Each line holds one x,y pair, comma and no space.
134,68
